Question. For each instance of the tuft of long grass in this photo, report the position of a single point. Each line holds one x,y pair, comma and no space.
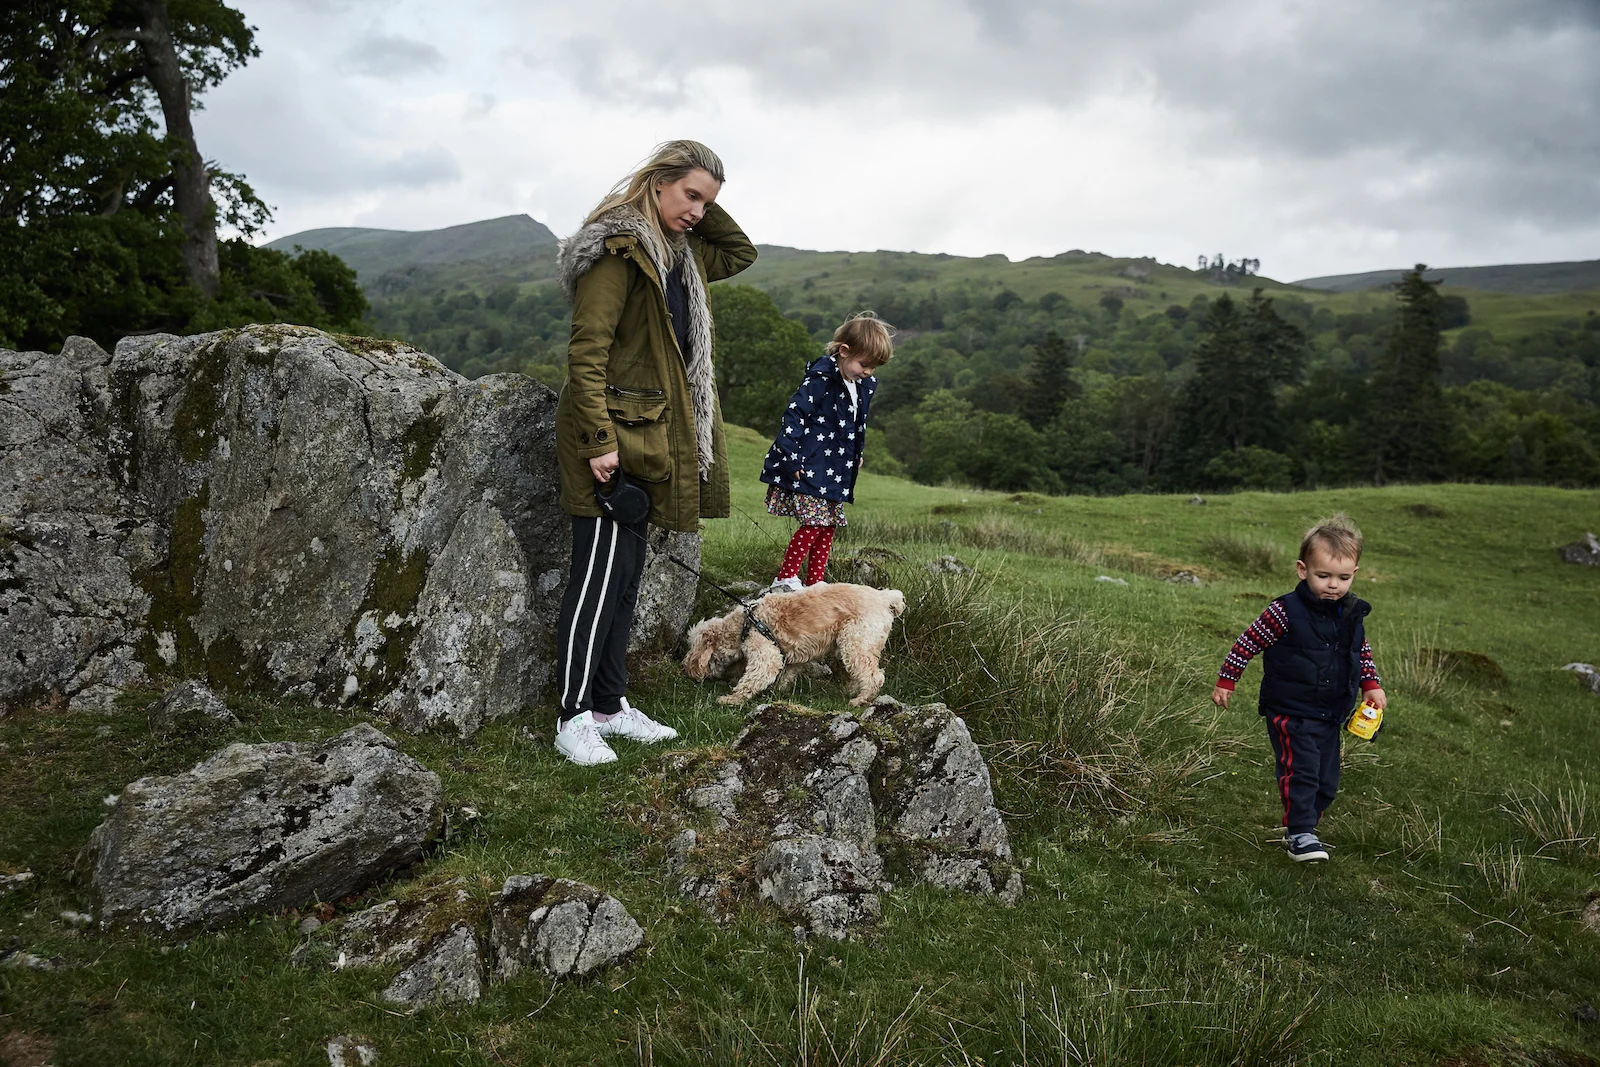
1246,552
1416,664
1420,833
1563,823
1503,868
1057,697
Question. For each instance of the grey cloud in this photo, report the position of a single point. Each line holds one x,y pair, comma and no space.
1499,98
417,168
393,56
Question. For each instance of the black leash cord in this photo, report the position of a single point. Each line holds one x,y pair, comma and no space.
750,620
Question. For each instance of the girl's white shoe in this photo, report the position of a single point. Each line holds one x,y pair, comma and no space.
786,585
635,725
579,740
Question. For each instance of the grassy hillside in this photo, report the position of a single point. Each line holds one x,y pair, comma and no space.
373,253
1161,923
1503,278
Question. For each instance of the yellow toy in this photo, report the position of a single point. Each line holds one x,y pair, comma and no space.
1365,721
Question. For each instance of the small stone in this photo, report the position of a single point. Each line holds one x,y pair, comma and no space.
451,972
1588,676
76,918
1183,578
1585,550
560,927
188,708
1585,1013
309,925
948,565
349,1051
1108,578
9,882
1590,919
1197,500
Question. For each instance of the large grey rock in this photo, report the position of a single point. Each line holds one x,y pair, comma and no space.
71,610
188,707
819,814
560,927
338,519
1585,550
256,828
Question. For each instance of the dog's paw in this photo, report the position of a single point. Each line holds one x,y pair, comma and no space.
729,698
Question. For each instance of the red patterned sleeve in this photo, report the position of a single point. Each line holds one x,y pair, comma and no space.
1369,670
1256,639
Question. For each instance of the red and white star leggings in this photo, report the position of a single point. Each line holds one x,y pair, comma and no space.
817,540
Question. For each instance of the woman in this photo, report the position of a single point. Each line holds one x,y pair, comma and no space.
639,394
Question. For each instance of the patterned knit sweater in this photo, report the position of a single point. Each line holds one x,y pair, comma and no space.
1263,634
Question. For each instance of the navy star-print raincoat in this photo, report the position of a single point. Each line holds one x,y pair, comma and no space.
819,448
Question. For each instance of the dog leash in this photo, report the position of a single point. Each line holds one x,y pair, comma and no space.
750,620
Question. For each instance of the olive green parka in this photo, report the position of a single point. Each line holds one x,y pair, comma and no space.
629,388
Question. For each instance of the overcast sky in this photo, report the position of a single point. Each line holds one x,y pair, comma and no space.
1320,137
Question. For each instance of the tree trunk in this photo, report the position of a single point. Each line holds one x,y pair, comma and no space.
191,184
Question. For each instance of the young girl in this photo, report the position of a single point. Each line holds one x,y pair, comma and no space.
811,468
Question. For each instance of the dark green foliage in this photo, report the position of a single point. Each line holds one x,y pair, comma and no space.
1050,381
761,356
90,232
1410,426
1230,428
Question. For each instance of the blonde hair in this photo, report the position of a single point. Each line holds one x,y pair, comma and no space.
1338,535
869,338
669,162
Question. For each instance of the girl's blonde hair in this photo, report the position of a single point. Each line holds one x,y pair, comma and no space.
871,340
668,163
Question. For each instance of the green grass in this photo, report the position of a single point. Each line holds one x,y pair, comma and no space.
1161,924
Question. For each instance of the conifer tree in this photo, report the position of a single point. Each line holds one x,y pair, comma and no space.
1230,402
1409,422
1050,381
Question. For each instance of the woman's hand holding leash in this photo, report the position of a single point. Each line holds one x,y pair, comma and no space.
602,467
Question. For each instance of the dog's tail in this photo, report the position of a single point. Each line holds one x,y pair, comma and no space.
897,602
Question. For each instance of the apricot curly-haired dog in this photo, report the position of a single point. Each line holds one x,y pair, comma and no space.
851,621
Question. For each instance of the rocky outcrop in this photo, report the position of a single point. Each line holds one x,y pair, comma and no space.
256,828
448,941
820,813
336,519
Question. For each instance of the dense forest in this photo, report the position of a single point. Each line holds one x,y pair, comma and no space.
1240,388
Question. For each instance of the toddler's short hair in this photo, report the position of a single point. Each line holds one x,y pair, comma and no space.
871,340
1337,535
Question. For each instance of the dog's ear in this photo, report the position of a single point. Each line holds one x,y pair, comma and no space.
698,661
897,602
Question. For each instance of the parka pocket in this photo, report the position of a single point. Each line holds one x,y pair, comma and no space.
644,447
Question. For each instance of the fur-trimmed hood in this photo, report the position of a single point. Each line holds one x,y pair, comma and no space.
582,250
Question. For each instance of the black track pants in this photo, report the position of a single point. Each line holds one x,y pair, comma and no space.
597,615
1307,756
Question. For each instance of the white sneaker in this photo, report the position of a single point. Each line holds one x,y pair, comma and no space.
635,725
786,585
579,740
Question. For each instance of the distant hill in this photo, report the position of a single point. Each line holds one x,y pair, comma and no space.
1530,278
374,253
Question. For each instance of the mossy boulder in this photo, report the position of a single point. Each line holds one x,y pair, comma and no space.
282,511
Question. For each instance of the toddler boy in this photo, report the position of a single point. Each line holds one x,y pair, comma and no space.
1316,662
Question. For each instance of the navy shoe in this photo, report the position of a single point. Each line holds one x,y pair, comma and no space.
1304,848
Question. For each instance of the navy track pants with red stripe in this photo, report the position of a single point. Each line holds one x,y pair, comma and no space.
1307,758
